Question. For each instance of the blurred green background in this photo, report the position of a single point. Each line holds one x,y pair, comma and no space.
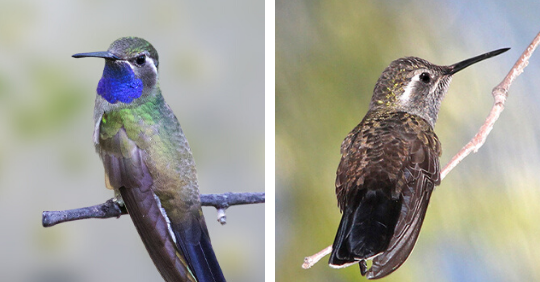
482,223
212,76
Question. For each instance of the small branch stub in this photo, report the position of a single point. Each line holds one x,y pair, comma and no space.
221,216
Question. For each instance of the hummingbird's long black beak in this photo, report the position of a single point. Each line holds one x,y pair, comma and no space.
463,64
105,55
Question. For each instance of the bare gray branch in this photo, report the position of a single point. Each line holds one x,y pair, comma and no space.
111,208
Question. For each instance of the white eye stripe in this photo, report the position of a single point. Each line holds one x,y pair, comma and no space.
407,91
150,60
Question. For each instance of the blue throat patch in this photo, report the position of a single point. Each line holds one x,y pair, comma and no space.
119,83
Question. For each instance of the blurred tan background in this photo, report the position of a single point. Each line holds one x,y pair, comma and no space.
482,223
211,74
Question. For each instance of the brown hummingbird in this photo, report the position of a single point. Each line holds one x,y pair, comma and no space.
390,165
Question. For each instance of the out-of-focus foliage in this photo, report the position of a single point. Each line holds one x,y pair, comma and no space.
211,74
482,221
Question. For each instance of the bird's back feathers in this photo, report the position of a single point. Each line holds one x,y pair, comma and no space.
389,166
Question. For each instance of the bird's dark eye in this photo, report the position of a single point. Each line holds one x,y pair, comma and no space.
425,77
141,60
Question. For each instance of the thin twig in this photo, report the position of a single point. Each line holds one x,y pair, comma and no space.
500,92
106,210
311,260
111,208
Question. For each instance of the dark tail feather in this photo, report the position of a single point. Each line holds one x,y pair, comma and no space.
406,231
197,248
365,229
153,230
195,257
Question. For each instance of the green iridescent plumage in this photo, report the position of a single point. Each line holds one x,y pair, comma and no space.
149,164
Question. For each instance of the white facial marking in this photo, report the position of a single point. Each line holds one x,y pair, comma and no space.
409,89
151,62
129,64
